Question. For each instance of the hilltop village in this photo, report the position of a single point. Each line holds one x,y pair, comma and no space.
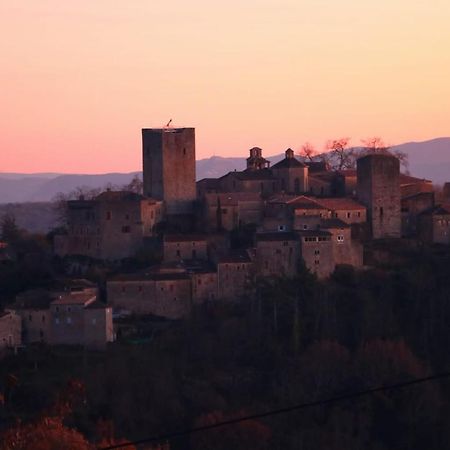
215,238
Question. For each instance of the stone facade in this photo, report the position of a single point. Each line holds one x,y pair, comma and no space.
378,189
164,294
10,331
434,225
111,226
277,254
235,275
316,251
230,210
80,319
169,167
185,246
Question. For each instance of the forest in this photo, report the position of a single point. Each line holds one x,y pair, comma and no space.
296,341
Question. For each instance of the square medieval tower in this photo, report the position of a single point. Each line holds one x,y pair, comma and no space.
169,167
378,188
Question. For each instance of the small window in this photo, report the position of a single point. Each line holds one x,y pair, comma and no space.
43,319
30,318
127,217
348,215
94,321
305,227
108,215
69,320
184,151
126,229
317,252
57,321
340,238
123,288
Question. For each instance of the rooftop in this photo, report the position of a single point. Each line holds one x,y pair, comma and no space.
75,299
338,203
235,257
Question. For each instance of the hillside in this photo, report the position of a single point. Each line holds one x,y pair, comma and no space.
428,159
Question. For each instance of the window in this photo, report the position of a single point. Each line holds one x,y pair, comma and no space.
278,251
108,215
30,318
340,238
317,252
381,212
305,227
199,281
281,227
94,321
69,320
359,213
139,288
126,229
178,253
127,217
184,151
57,321
348,215
194,254
285,243
123,289
43,319
316,262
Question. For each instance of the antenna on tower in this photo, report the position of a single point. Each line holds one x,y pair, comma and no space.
168,123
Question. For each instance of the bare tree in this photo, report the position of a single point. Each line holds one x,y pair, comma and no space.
307,152
377,145
340,156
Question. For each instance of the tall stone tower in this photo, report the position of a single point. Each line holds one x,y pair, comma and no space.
378,188
169,167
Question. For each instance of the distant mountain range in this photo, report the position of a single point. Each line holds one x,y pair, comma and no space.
428,159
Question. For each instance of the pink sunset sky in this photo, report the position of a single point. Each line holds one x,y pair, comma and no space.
80,78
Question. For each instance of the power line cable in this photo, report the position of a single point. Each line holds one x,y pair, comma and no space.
275,412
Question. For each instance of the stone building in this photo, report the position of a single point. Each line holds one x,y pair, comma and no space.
169,167
292,173
33,307
10,331
434,225
235,276
159,293
412,207
344,208
316,251
345,249
78,318
185,246
378,188
277,254
230,210
110,226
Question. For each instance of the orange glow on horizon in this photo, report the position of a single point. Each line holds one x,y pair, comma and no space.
80,79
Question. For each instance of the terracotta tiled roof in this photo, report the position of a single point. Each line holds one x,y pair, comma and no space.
235,257
340,203
407,179
288,163
75,299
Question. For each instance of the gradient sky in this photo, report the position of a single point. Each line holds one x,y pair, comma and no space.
80,78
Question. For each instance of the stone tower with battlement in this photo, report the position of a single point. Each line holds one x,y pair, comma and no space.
378,188
169,167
